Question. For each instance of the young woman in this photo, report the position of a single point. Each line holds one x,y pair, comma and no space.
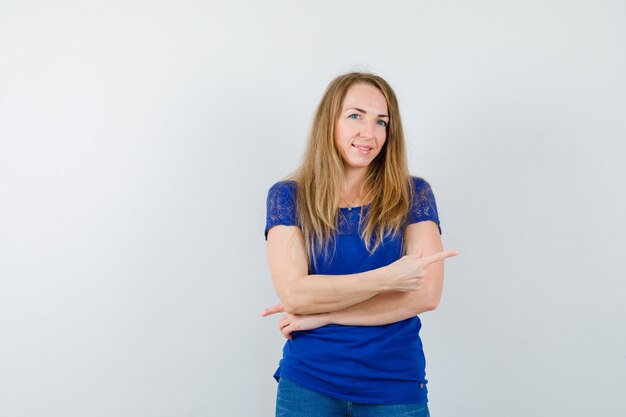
354,250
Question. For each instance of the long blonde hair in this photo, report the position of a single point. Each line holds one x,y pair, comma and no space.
321,174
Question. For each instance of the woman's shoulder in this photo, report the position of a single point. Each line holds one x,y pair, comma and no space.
291,184
283,191
284,186
419,183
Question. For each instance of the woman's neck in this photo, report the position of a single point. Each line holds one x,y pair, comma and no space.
353,183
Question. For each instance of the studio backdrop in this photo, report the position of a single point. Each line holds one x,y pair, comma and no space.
138,140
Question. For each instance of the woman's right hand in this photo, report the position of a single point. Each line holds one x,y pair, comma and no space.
408,272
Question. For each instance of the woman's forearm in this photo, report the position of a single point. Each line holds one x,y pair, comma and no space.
378,310
313,294
382,309
393,306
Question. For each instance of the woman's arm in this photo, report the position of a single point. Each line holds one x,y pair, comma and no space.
395,306
384,308
300,294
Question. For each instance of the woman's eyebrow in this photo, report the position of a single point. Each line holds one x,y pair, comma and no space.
364,112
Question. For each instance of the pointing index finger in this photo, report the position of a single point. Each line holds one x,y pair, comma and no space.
439,256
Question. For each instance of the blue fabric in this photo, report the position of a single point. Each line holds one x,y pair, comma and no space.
365,364
293,400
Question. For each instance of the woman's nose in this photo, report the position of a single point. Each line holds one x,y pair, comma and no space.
367,129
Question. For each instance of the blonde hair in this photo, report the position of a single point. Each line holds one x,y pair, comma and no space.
320,176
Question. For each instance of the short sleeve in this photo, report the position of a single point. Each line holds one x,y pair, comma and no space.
424,206
281,205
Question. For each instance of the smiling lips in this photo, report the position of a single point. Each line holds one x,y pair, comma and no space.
363,149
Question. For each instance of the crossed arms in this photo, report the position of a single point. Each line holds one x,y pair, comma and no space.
402,289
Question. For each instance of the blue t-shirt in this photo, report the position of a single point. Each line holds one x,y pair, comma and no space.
366,364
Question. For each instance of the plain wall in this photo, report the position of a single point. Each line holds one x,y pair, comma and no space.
138,140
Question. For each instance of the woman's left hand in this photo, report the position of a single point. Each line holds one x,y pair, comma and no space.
294,322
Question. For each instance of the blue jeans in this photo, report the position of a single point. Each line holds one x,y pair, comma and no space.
293,400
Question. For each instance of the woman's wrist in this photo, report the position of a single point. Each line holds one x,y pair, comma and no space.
380,278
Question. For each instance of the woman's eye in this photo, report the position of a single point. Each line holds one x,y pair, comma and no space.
356,116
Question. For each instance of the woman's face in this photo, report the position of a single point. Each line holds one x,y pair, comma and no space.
361,128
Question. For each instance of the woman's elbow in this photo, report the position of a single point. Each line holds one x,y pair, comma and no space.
298,308
432,304
292,298
431,297
425,304
300,305
288,304
293,304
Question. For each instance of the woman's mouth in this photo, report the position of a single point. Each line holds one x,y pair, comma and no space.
362,149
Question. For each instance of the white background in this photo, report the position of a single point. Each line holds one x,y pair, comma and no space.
138,140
